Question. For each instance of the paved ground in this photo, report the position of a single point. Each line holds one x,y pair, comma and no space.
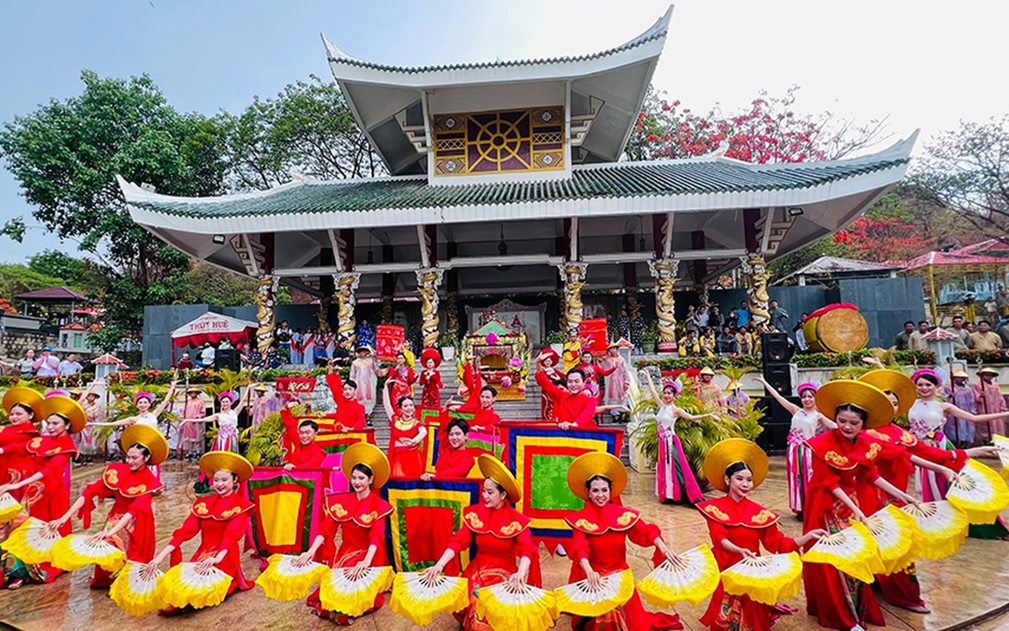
960,590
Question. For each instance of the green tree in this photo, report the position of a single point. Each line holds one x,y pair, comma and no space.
967,170
308,129
75,272
215,286
66,156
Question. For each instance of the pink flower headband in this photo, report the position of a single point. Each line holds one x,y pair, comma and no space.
809,385
672,383
926,372
143,395
227,394
57,393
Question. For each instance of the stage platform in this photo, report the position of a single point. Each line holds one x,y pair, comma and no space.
968,590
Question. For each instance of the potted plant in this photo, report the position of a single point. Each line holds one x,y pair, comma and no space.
448,343
556,340
649,337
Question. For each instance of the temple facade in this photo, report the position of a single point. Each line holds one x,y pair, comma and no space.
506,179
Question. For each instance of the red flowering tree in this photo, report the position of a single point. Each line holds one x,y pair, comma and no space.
766,131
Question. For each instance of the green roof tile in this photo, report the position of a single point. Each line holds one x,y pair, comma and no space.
623,180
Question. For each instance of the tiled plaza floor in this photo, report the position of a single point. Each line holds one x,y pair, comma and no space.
958,589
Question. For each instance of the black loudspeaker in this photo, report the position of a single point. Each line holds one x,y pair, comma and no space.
775,353
777,422
226,359
774,348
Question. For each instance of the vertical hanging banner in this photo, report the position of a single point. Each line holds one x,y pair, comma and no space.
424,518
539,454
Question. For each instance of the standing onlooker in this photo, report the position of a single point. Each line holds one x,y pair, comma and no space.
611,327
901,341
960,343
916,341
961,394
624,325
984,339
27,365
778,316
800,334
48,365
186,363
297,351
70,366
989,399
691,322
703,316
637,331
283,335
715,318
743,314
365,335
732,320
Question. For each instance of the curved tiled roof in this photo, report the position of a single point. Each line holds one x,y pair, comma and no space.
622,180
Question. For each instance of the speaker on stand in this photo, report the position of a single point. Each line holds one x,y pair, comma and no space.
777,370
226,359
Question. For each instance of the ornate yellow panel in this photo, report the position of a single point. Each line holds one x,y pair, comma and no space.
512,141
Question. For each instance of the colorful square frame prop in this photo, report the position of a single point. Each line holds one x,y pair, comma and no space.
539,454
288,507
431,512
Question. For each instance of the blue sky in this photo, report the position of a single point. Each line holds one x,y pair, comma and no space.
923,64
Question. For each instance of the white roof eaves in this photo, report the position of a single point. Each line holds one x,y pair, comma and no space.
516,211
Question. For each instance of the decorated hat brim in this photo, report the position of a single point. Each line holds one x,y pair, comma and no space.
587,466
24,396
67,408
494,469
896,382
877,406
729,452
149,437
370,456
214,461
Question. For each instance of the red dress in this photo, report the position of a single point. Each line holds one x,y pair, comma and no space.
132,492
349,412
836,599
405,462
402,385
45,499
502,536
364,525
555,377
430,395
49,498
600,535
747,525
221,523
579,409
15,462
894,465
301,456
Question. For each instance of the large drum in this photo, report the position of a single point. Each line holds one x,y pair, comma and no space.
836,328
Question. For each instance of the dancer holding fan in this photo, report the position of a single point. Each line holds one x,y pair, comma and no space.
926,418
221,520
362,515
46,495
129,525
901,452
599,544
844,486
502,536
738,527
23,407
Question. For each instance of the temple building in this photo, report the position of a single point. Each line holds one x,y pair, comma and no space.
506,179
